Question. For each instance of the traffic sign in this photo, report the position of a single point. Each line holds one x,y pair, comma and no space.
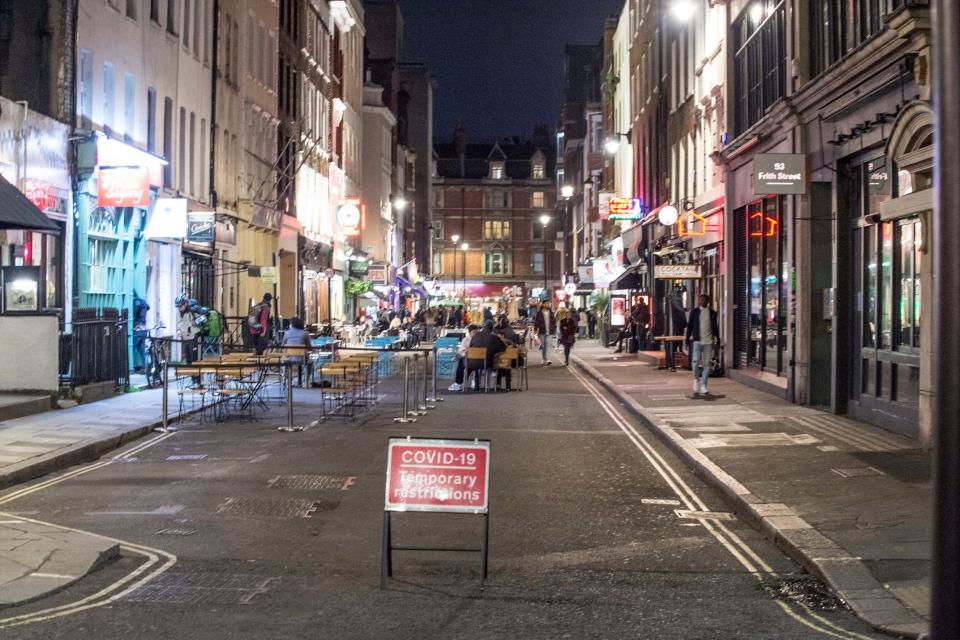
438,475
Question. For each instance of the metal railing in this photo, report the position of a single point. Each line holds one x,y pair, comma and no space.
97,349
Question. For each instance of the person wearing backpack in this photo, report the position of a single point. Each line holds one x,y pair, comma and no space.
212,328
258,319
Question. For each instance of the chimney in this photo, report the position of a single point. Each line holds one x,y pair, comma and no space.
460,143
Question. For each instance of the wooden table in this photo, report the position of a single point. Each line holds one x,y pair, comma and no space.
670,365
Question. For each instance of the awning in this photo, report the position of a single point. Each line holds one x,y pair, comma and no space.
17,212
629,279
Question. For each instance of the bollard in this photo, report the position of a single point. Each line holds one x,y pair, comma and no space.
433,396
166,394
418,409
289,427
406,388
426,376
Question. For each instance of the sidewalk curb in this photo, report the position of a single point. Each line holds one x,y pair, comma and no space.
815,552
84,451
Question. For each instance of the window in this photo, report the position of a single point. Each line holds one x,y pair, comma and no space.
182,155
496,230
193,153
536,201
438,198
155,11
538,171
86,89
537,231
172,18
495,263
536,262
197,25
168,141
768,285
498,199
760,61
132,9
497,170
202,152
187,15
152,120
129,106
839,26
109,96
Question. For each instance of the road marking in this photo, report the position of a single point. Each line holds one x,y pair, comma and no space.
166,510
743,553
58,576
157,561
659,501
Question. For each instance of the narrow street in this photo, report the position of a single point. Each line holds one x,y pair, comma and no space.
237,530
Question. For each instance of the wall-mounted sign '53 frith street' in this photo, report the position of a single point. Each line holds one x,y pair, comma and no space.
780,174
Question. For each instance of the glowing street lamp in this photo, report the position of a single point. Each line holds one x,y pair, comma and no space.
668,215
456,238
566,191
400,203
612,145
683,10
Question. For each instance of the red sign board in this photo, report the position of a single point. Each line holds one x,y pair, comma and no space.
127,187
438,475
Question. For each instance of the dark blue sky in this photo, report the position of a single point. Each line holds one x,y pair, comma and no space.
498,64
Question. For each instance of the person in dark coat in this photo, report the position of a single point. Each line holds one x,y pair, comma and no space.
543,327
568,333
703,332
490,341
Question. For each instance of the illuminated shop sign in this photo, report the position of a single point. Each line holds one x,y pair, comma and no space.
763,226
126,187
625,209
350,217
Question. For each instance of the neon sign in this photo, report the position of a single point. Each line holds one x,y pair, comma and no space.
694,225
767,226
625,209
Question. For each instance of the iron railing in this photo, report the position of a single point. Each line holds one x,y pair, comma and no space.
96,350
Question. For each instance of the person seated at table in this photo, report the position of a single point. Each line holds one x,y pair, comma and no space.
626,331
510,338
462,358
494,345
296,336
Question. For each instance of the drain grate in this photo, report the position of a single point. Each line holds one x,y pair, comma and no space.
858,472
176,532
187,456
313,483
270,508
202,588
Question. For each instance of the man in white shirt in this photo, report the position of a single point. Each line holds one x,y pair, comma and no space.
703,331
462,359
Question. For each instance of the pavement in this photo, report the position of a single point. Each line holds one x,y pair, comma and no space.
850,502
238,530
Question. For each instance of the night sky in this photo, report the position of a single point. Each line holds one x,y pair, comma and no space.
498,64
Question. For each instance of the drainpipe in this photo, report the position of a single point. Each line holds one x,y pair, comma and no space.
214,61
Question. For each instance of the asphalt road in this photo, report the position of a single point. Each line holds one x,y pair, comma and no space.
254,533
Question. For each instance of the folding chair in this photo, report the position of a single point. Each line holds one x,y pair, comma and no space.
476,361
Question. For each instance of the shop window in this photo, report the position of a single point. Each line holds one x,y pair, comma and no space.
766,282
495,263
496,230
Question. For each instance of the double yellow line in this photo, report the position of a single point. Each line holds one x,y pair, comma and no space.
741,551
156,561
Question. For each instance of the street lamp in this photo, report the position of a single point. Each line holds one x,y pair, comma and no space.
566,191
463,248
399,203
612,144
456,238
545,220
683,10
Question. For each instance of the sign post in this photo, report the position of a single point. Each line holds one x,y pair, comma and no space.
438,476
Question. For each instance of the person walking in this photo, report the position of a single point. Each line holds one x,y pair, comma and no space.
568,333
258,319
543,327
703,332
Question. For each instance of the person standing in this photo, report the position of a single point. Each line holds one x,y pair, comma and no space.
140,332
543,327
188,329
642,324
591,324
568,333
703,332
259,320
582,323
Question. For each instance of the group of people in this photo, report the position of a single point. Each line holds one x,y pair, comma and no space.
494,335
564,323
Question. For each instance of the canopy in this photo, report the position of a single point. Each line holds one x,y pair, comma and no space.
17,212
629,279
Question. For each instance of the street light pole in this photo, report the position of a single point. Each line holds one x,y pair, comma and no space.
456,238
545,220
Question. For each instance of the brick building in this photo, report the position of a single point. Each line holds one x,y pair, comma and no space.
498,198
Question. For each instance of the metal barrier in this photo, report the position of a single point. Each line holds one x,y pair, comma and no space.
96,350
405,418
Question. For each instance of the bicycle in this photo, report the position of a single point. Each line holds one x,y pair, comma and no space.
156,357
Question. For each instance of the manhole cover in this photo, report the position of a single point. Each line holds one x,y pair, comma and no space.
704,515
202,588
176,532
857,472
187,456
312,483
270,508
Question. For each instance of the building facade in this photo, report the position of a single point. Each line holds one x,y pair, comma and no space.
495,208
